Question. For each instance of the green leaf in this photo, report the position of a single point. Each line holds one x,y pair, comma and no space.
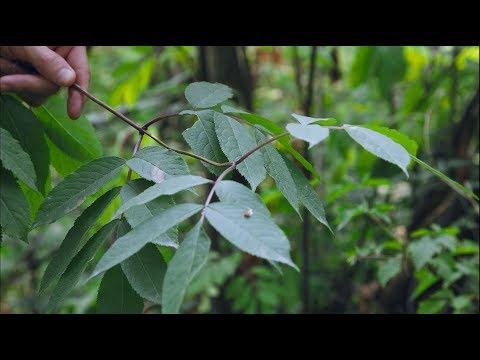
141,213
76,138
307,120
145,271
28,130
461,302
422,251
237,194
167,187
75,188
466,247
189,258
16,160
201,137
362,65
144,233
279,171
448,241
349,214
116,296
391,68
77,266
204,94
14,208
385,63
255,119
128,91
388,269
229,109
307,194
76,237
235,141
256,235
426,280
431,306
63,163
380,145
445,177
234,193
123,228
156,163
409,145
275,129
313,134
34,198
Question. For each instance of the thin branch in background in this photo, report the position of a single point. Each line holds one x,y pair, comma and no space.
454,85
430,84
426,134
311,80
297,65
306,215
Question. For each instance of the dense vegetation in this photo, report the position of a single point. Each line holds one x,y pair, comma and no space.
364,161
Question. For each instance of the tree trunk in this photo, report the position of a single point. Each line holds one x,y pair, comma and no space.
228,65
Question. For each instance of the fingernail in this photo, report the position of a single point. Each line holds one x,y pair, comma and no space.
66,76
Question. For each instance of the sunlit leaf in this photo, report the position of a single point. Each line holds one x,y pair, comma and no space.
380,145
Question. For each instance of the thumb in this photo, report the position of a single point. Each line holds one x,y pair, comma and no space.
49,64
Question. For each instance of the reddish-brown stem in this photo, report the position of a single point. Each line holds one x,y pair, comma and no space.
158,118
105,106
250,152
216,182
232,167
135,149
143,131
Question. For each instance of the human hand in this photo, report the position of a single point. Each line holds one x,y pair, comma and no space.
56,66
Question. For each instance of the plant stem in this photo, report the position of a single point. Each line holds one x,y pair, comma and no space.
306,226
158,118
105,106
232,167
143,131
135,149
250,152
215,183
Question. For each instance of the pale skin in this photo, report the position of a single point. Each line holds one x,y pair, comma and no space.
54,67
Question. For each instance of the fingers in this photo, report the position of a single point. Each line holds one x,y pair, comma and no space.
46,61
56,65
9,68
30,85
77,58
33,100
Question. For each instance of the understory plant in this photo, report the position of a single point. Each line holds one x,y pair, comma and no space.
138,251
